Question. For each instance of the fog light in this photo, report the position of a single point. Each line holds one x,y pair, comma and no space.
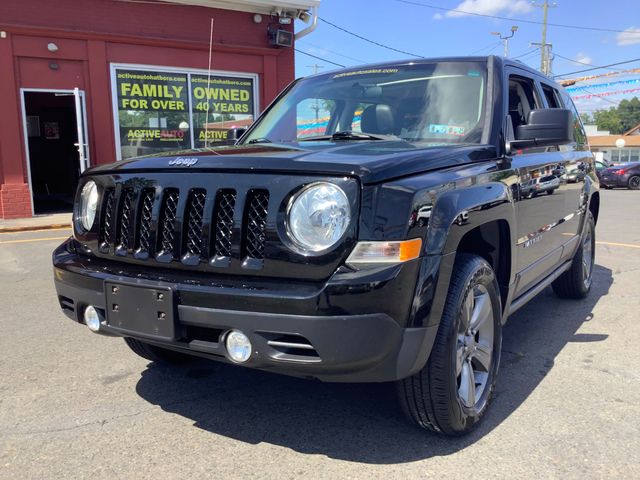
92,319
238,346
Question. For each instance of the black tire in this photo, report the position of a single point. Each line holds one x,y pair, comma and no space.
576,282
549,192
157,354
634,183
607,187
431,398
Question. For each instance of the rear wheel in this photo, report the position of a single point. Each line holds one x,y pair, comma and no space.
634,182
576,282
156,354
549,192
452,392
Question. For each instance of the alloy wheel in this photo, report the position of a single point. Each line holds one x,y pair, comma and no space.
474,347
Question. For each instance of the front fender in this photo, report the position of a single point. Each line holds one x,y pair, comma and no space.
456,212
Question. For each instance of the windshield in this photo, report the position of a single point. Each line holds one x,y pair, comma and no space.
426,102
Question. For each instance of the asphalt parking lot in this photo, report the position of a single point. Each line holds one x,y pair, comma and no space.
76,405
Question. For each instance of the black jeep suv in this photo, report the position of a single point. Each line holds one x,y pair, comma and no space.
369,227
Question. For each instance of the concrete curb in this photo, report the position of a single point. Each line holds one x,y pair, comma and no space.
30,228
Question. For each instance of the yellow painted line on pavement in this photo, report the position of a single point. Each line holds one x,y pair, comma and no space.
13,232
28,240
614,244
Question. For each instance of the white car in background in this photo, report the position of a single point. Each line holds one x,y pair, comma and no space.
536,186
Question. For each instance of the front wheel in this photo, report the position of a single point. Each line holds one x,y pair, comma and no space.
576,282
452,392
634,182
549,192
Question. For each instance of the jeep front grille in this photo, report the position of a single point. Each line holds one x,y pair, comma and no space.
167,227
256,218
190,226
144,225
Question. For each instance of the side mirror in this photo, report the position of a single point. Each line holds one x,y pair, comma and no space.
545,127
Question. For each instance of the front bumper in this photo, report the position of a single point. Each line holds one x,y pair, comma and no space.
349,329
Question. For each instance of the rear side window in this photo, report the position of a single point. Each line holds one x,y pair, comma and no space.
580,135
552,96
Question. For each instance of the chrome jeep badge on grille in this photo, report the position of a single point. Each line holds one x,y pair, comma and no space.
183,162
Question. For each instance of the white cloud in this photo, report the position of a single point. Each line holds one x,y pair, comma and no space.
631,36
438,16
490,7
583,58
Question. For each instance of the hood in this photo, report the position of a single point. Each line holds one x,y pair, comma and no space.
370,161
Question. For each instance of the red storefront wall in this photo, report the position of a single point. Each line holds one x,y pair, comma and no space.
92,34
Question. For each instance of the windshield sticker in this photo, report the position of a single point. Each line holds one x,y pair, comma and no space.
366,72
439,129
473,73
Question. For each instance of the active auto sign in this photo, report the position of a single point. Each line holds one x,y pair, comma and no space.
160,111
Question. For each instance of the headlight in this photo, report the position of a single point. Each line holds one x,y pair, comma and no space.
318,217
88,204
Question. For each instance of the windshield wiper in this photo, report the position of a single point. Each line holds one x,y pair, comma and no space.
259,140
349,135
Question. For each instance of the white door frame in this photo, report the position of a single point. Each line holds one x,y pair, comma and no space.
81,102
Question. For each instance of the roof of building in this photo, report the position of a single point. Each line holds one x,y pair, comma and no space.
253,6
610,140
633,131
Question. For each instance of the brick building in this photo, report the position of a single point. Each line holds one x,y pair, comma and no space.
85,82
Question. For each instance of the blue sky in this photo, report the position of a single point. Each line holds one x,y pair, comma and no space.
430,32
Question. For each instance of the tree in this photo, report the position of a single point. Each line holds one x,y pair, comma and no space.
586,118
608,120
629,113
619,119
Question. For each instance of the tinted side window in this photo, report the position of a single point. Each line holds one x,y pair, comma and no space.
580,135
552,96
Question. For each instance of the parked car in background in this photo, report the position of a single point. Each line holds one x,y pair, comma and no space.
600,166
576,175
547,184
627,175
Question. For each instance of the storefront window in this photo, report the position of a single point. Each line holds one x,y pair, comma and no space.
159,111
219,104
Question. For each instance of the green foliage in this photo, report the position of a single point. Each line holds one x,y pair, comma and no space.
608,120
586,118
618,119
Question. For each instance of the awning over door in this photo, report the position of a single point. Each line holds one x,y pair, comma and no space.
254,6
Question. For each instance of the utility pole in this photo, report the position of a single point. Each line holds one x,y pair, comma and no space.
544,59
316,107
505,39
548,57
315,67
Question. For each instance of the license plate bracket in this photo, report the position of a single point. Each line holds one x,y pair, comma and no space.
141,310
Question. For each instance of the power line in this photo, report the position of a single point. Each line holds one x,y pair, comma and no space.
492,45
368,40
333,52
582,63
561,25
526,54
597,68
319,58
